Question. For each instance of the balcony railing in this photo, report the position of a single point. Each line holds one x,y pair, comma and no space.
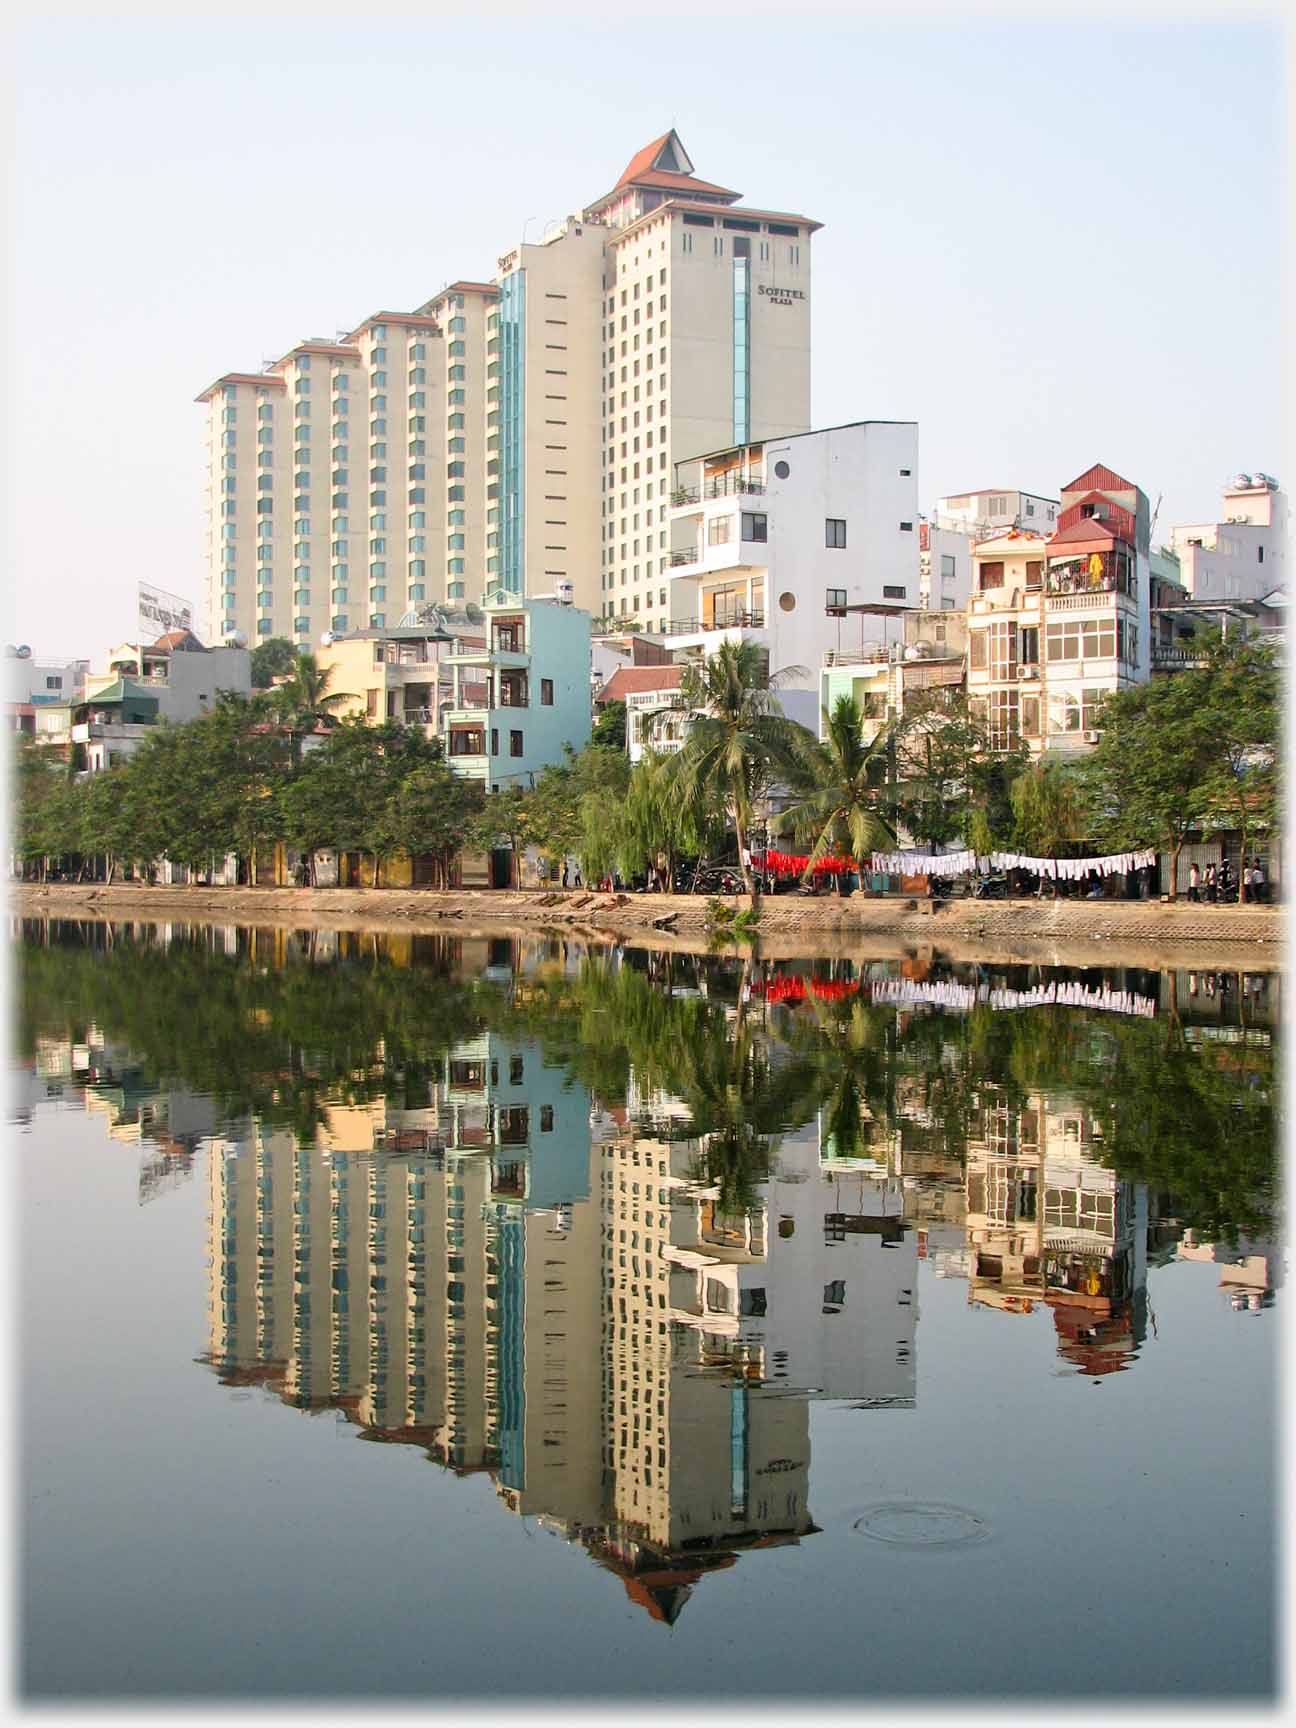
685,555
722,621
730,485
1165,655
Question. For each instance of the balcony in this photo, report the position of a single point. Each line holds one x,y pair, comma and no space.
1169,658
722,621
685,555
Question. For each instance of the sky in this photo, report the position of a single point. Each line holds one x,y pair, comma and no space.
1049,242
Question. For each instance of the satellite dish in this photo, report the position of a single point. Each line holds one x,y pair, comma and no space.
235,639
473,613
1241,480
326,640
24,652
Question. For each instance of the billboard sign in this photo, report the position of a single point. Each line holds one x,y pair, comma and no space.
160,612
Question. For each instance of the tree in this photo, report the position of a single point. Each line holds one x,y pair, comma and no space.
305,703
840,789
946,770
1239,785
610,727
1047,807
653,824
432,813
739,741
274,658
554,819
1142,785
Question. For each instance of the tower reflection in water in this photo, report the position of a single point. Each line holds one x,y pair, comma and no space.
518,1283
557,1282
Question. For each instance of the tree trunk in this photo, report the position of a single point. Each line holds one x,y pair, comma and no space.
741,835
1174,869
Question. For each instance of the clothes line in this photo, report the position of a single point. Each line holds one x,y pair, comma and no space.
962,998
961,863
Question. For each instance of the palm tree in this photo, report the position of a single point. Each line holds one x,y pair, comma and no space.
305,701
738,738
838,805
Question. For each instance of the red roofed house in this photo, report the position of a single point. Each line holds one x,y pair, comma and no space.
1057,624
646,690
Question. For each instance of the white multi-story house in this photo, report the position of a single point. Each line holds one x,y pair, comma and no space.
944,567
1242,557
1056,624
799,544
979,513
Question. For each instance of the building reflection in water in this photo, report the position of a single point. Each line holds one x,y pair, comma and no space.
521,1280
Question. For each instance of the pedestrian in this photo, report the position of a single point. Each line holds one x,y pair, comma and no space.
1210,883
1257,881
564,874
1194,882
1246,880
577,877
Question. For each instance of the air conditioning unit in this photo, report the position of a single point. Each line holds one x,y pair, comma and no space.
1091,737
1030,671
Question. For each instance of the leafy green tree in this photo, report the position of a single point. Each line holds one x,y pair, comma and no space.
306,704
432,812
654,824
274,658
739,742
840,789
610,727
1047,808
1143,783
1241,779
946,771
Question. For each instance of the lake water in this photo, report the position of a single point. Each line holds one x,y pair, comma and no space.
482,1319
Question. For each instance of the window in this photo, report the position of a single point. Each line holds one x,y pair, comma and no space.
834,531
515,743
947,567
1028,653
991,575
906,527
546,693
1001,719
1081,639
834,1295
751,1304
494,740
891,591
836,598
1035,573
719,530
754,525
905,473
546,1118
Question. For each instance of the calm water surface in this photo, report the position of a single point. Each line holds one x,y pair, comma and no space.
713,1328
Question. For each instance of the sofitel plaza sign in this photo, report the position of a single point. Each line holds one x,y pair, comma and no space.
780,296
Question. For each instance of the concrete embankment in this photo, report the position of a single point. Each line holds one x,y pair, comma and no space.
1063,932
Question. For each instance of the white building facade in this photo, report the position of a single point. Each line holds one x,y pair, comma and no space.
1243,556
797,543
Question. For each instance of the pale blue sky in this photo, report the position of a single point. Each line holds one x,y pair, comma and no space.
1050,243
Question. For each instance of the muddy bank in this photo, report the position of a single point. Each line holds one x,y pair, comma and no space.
1063,932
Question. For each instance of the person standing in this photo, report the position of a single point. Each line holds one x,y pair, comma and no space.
1194,882
1246,880
1257,881
564,874
1210,883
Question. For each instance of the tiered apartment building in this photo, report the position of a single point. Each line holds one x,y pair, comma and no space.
514,434
1057,624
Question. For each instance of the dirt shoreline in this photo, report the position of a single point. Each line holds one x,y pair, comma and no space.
1064,932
